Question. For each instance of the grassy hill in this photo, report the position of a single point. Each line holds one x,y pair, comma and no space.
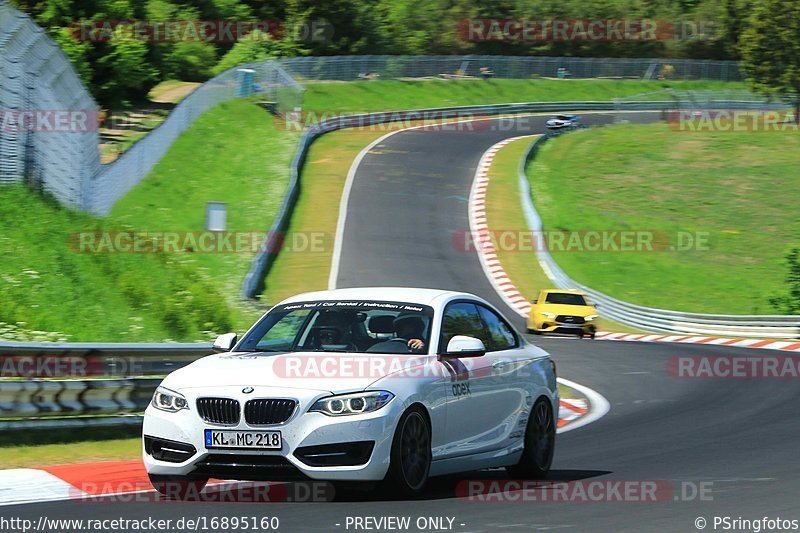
234,154
736,188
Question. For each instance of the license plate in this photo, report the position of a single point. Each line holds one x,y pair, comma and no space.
262,440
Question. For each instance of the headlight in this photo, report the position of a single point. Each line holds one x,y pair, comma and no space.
169,401
548,314
590,318
352,404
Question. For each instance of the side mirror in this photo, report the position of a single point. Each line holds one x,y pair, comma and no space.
464,346
596,305
225,343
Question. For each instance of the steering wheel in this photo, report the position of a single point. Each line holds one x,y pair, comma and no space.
409,348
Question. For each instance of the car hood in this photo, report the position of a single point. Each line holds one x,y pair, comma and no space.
314,371
571,310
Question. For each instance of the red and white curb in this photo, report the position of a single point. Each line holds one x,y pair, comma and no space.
764,344
575,413
503,285
88,482
571,409
482,237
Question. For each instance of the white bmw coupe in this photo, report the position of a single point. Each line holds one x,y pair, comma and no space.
366,384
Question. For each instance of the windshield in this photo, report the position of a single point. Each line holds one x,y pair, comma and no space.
339,326
565,298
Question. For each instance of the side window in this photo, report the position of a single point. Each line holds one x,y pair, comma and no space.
462,319
499,332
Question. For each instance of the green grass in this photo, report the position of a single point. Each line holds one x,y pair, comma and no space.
383,95
237,154
84,452
50,292
504,213
739,188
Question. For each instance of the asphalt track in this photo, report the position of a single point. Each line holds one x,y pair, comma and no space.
741,436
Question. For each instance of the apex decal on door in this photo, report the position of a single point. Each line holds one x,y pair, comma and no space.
461,389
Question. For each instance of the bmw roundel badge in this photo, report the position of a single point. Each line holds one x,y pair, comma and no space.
248,390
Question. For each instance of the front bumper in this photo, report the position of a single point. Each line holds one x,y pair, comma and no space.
314,446
552,326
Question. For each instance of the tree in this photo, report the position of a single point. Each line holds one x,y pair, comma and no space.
255,46
332,27
75,50
770,49
790,302
127,73
189,61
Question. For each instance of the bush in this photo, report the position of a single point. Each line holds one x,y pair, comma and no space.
789,303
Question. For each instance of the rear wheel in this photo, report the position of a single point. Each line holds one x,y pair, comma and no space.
540,442
411,454
178,487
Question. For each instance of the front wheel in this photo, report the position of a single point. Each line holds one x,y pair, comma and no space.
411,454
540,443
178,487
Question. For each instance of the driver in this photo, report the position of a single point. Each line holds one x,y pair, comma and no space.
408,328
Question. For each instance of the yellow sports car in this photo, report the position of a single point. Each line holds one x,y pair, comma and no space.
562,311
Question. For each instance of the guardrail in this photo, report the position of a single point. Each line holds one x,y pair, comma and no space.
49,359
648,318
50,397
49,404
59,398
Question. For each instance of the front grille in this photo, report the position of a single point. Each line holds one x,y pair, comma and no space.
247,467
261,412
219,410
568,319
